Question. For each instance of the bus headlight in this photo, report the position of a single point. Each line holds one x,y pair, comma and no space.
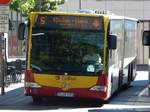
98,88
32,85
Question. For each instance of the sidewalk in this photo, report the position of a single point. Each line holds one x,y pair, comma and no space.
12,87
142,80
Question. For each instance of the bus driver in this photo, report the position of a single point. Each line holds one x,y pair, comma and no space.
92,56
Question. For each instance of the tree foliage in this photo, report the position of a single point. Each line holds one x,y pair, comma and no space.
27,6
51,4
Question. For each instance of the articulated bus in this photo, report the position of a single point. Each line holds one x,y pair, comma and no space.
57,43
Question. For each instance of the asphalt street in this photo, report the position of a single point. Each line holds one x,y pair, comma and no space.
134,99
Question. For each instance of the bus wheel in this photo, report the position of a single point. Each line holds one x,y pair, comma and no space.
126,86
130,75
36,99
120,79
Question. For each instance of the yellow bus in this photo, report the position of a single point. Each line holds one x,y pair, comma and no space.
58,43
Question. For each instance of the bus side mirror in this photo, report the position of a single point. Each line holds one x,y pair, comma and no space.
21,31
146,38
113,42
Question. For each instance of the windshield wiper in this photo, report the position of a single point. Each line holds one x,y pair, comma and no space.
37,34
36,67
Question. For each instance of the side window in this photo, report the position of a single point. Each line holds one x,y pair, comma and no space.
130,37
116,27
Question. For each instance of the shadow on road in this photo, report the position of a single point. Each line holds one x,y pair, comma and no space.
15,100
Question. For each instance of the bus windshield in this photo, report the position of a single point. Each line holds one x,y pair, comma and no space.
60,51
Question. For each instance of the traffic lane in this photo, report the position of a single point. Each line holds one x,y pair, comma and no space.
136,94
133,99
15,100
131,96
121,110
51,105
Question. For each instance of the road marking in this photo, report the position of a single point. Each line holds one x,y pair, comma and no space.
116,106
143,91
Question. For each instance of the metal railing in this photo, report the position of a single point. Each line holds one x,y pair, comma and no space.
15,71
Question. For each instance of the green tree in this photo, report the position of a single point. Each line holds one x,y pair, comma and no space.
51,4
27,6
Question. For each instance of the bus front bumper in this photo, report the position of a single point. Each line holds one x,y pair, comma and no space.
76,93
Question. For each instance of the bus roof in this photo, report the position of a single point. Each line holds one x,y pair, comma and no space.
121,17
66,13
86,13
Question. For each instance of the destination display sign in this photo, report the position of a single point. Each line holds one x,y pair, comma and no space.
69,22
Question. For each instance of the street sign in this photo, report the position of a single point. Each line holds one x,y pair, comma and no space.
3,2
4,16
4,23
4,9
4,28
4,19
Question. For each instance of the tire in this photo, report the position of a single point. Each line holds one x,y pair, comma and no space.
120,82
130,75
129,78
36,99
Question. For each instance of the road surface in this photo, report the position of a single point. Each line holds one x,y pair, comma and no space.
133,99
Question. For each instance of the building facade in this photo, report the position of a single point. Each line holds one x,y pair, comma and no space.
133,8
14,48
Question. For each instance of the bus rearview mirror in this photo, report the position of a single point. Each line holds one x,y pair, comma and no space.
146,38
113,42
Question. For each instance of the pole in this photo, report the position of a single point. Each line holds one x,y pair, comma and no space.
143,46
38,4
149,67
149,73
2,50
3,77
80,4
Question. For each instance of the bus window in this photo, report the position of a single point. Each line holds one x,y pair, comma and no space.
61,51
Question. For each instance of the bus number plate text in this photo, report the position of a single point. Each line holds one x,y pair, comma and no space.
65,94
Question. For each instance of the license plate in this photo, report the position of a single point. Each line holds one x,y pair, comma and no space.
65,94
